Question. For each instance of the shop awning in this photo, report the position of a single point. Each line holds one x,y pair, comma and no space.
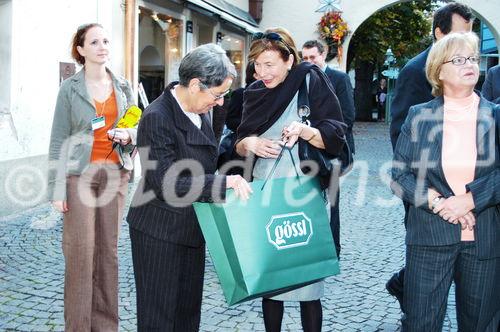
229,13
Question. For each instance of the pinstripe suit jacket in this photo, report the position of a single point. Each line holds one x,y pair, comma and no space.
166,137
417,167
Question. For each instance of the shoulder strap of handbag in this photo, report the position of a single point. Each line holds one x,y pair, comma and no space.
303,100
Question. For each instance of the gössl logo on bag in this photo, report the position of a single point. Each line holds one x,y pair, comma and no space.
289,230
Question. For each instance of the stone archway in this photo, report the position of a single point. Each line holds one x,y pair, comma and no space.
360,10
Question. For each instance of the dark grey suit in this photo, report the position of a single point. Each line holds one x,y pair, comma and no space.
435,254
491,86
412,88
344,92
167,244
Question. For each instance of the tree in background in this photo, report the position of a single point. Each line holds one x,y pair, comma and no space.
405,28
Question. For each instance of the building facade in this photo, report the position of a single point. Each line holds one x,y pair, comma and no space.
303,23
148,40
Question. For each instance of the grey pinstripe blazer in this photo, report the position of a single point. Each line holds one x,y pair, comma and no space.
166,136
417,167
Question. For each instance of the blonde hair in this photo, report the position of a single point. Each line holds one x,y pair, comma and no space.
285,47
441,52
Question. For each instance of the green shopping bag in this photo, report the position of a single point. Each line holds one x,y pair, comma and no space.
278,240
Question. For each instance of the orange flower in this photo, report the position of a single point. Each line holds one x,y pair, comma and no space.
332,27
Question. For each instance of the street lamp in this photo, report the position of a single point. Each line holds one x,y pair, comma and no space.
389,57
391,73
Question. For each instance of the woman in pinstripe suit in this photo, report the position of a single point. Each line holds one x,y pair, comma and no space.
178,153
447,167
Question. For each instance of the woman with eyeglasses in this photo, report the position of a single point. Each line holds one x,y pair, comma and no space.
270,119
178,153
447,167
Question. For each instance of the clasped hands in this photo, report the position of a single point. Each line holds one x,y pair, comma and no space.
455,209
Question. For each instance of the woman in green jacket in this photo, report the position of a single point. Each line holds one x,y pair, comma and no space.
90,167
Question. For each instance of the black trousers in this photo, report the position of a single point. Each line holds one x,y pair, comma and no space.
169,284
335,223
398,278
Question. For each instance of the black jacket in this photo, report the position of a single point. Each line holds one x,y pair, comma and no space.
166,136
345,94
412,88
491,86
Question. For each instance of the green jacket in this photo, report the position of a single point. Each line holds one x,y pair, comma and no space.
72,136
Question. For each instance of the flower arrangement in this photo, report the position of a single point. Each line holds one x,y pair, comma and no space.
333,30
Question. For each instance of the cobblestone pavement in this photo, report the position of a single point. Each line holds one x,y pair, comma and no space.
31,263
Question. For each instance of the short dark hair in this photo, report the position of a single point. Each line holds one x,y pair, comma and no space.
314,43
208,63
443,17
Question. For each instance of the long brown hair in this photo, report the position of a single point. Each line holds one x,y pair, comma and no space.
284,47
79,40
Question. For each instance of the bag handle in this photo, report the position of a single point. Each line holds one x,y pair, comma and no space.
273,169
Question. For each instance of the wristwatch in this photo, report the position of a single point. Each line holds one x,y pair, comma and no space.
436,201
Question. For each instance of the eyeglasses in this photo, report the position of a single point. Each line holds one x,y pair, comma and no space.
308,58
272,36
461,60
216,97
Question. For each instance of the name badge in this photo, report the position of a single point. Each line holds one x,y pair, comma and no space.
98,122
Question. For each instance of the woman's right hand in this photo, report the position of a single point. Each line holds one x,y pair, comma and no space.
241,187
262,147
61,206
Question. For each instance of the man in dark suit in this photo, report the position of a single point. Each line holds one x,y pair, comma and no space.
412,88
314,52
491,86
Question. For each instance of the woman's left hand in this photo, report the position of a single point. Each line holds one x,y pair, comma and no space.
295,130
455,207
120,136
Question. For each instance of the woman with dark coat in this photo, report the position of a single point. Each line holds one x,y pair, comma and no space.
270,119
178,154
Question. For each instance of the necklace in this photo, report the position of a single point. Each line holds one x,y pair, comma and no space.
102,108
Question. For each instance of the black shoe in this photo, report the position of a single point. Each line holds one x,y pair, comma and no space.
395,287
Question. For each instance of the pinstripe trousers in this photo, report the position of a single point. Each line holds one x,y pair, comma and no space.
429,274
169,284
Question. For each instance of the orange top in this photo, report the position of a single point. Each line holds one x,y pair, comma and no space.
102,145
459,152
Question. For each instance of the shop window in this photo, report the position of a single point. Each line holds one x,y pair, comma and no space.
160,41
235,46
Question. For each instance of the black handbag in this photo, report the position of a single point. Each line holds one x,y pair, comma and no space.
325,161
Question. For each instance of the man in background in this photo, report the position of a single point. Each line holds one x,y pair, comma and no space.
491,86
